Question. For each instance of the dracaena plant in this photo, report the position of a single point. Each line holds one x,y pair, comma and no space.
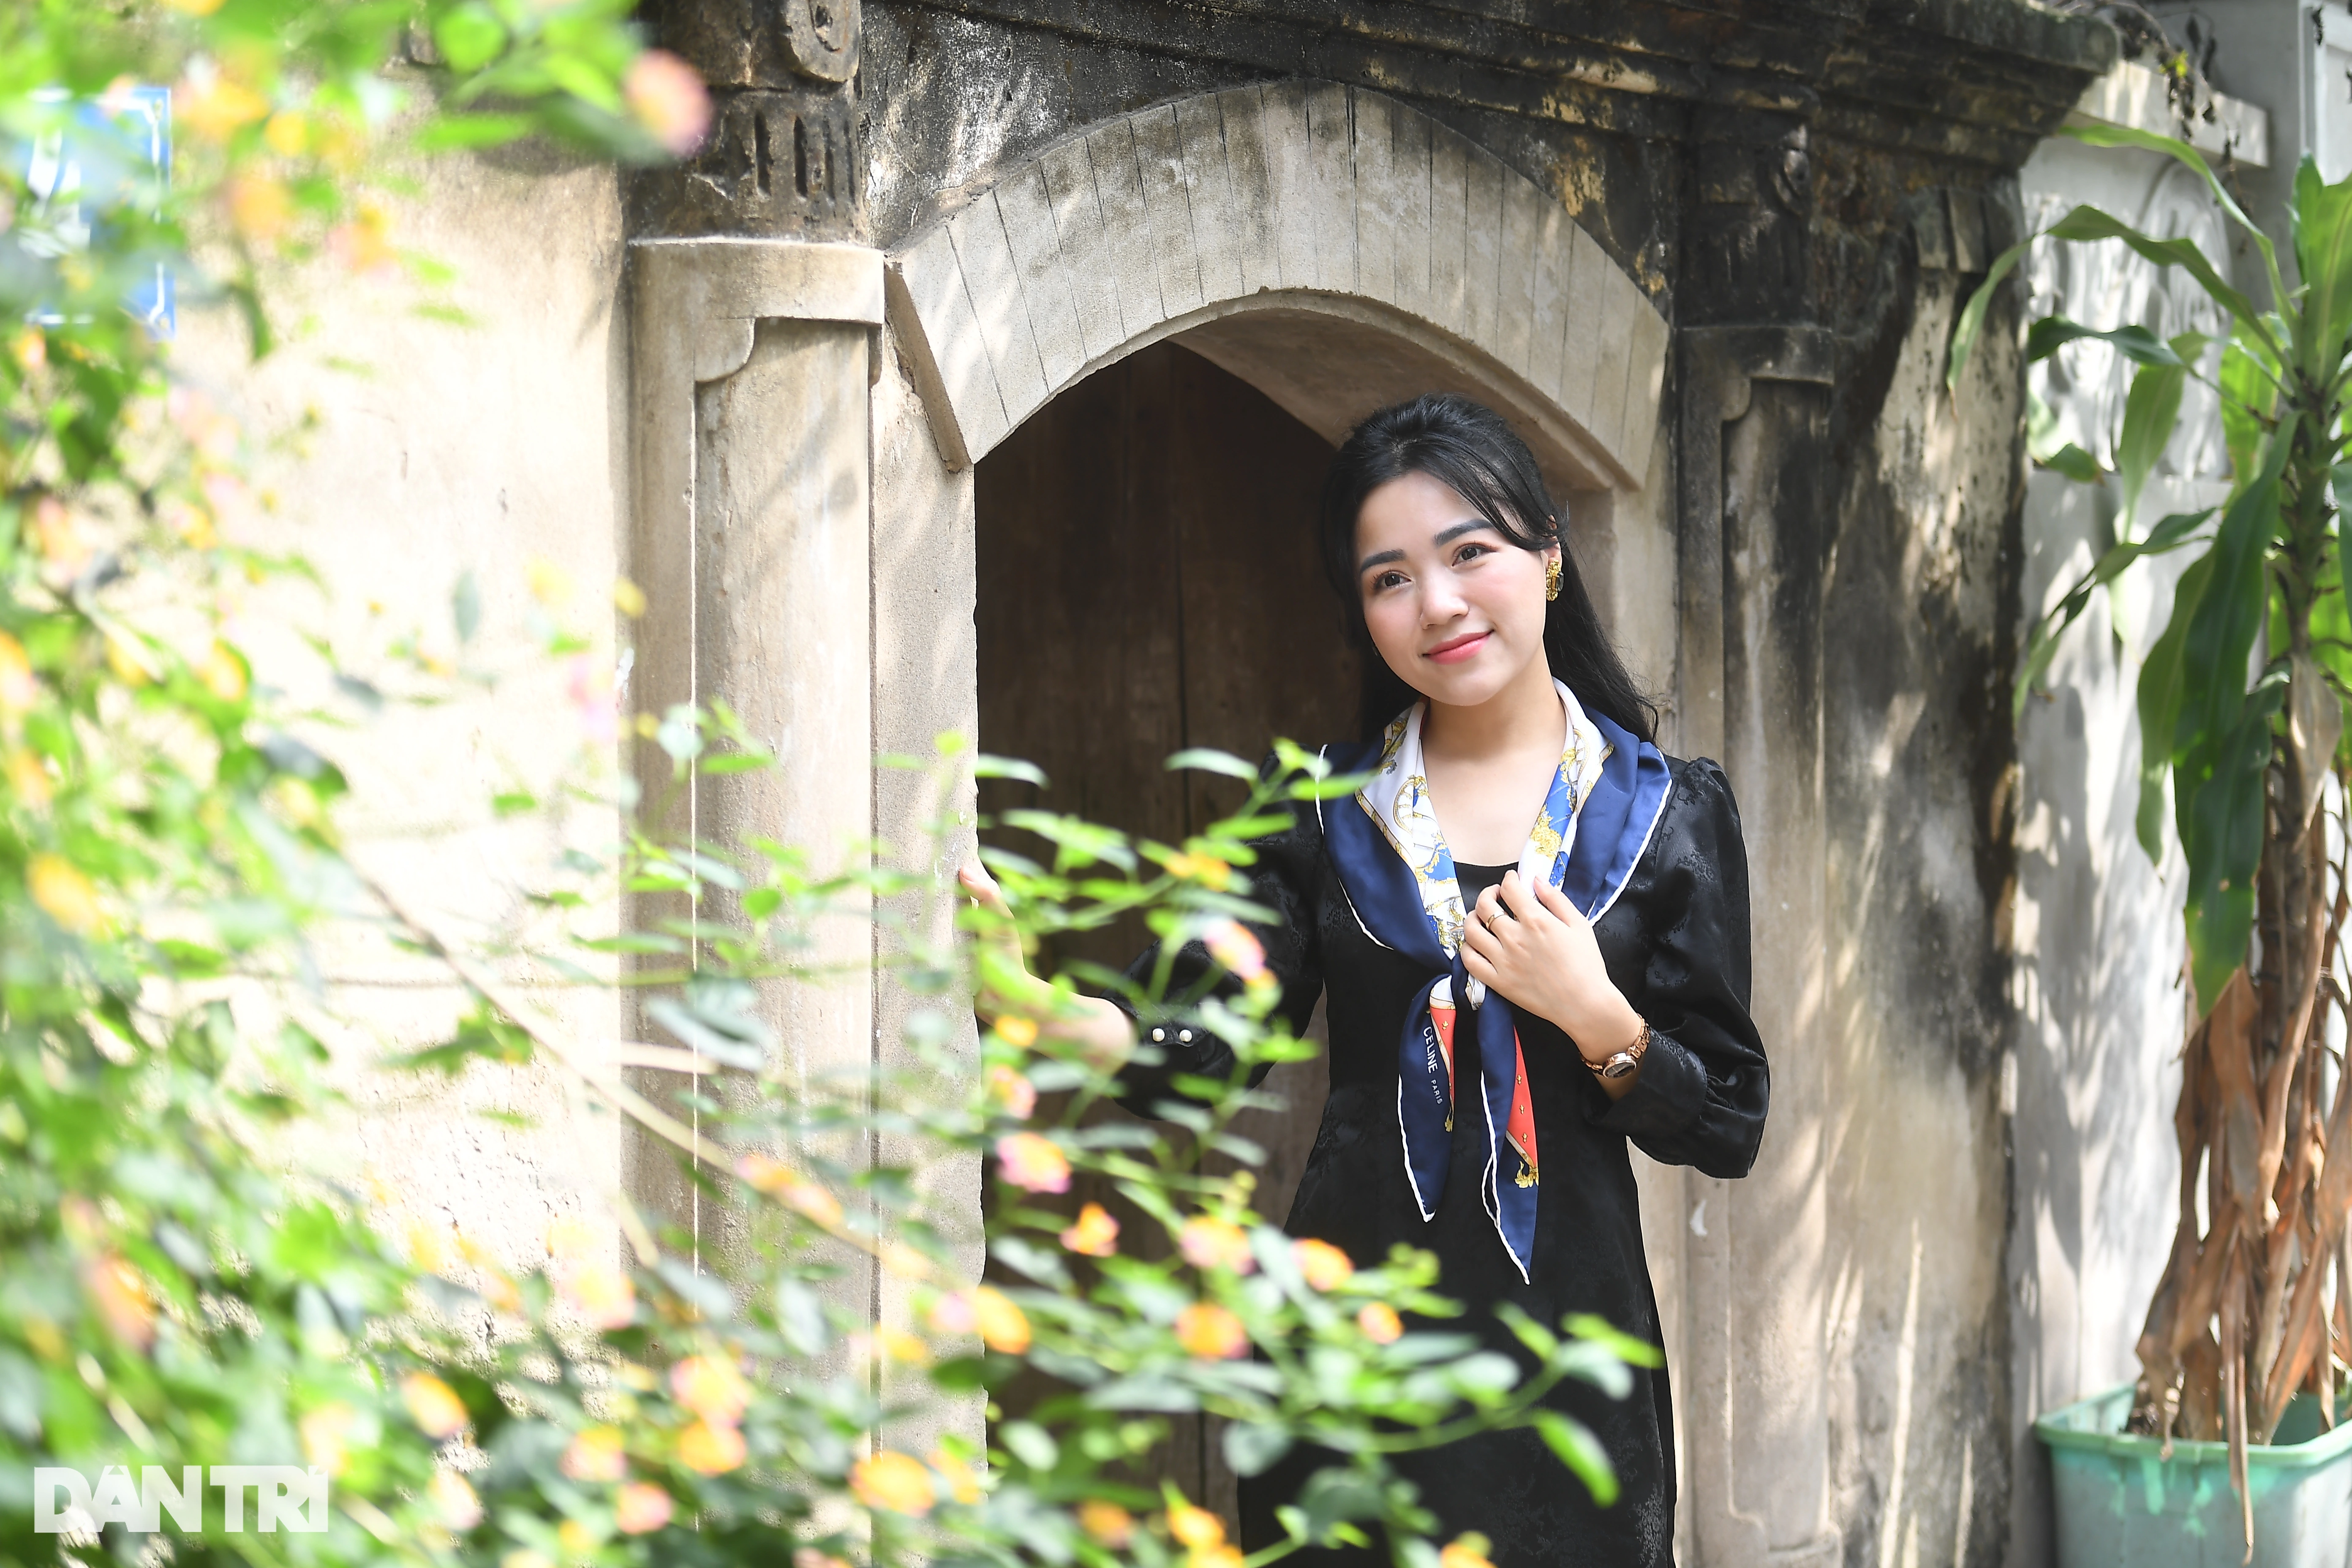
2240,713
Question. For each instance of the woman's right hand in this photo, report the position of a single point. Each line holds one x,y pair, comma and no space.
1005,986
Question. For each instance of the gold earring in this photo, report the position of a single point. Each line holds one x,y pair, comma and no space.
1551,578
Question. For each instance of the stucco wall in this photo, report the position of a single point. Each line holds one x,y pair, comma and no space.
439,450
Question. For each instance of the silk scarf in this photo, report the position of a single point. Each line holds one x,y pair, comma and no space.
1605,800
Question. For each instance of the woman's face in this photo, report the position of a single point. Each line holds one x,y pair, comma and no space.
1454,606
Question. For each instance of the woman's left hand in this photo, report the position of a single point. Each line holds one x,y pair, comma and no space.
1537,952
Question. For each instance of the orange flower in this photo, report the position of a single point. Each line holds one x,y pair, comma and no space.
963,1485
259,206
66,896
1031,1161
1465,1552
1211,1243
788,1187
1206,869
893,1482
667,97
640,1509
710,1387
1379,1322
710,1450
432,1405
1107,1522
595,1456
121,1296
1095,1234
31,349
364,244
453,1498
1014,1094
1003,1325
1209,1331
1325,1268
1221,1556
1195,1528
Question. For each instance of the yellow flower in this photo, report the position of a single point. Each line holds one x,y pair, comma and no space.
1210,1332
893,1482
575,1539
1210,1243
1196,1527
900,1346
1033,1162
551,585
31,349
58,537
364,244
595,1456
1206,869
1107,1522
781,1182
963,1485
1017,1031
628,598
710,1387
212,105
324,1434
194,8
524,1557
1095,1234
29,779
453,1498
193,524
710,1450
286,133
1324,1267
1220,1556
66,896
432,1405
1003,1325
601,1294
1379,1322
640,1508
1465,1552
223,673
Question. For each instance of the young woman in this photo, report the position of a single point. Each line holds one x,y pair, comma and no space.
1531,930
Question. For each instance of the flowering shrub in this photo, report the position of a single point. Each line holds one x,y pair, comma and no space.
174,1292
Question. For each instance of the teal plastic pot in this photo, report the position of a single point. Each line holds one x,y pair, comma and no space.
2120,1501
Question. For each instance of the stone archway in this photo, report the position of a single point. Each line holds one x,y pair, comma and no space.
1352,230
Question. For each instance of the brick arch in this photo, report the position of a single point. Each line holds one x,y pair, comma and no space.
1332,246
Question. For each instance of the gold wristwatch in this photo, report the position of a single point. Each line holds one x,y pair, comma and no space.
1622,1062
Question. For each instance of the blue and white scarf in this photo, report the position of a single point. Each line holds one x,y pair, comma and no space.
1606,798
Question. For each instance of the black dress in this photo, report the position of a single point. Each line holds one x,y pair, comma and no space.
1676,942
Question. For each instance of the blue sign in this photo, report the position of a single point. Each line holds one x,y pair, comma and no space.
112,151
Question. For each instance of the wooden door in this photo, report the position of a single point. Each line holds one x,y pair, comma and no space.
1148,581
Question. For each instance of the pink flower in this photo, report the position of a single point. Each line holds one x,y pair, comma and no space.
640,1508
591,694
1010,1089
1031,1161
1230,943
1210,1243
668,99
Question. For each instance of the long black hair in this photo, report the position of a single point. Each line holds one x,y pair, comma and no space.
1472,451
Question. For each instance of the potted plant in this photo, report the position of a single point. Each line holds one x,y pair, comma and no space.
2232,1435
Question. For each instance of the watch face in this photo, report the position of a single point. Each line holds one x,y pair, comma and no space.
1619,1064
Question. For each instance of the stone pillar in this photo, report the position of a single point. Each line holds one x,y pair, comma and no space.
1752,1394
750,364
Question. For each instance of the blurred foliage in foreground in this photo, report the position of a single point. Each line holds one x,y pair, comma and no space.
172,1293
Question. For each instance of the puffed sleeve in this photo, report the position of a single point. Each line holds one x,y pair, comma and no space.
1705,1085
1286,880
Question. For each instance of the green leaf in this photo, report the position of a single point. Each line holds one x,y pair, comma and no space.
984,766
1581,1451
458,133
1203,759
2088,223
465,607
2219,807
2321,219
2159,704
2044,445
469,38
2103,135
2249,398
1970,326
2151,411
2228,614
2171,535
2051,333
